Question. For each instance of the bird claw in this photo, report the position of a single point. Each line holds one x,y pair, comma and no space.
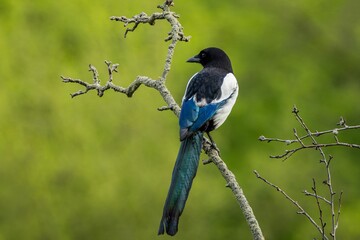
213,146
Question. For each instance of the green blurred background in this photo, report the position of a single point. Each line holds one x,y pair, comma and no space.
99,168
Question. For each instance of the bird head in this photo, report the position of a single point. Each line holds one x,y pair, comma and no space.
212,57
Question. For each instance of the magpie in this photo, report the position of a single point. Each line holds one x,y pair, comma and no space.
209,97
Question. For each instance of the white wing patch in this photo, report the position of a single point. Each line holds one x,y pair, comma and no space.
228,87
229,90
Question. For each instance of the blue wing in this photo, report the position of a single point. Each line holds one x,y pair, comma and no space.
193,117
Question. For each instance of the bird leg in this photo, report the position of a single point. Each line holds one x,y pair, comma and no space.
213,144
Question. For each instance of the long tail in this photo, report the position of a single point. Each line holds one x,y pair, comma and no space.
183,174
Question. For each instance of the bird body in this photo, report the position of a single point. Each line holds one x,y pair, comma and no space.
209,97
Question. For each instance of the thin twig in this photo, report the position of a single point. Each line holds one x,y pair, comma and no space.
317,197
332,194
339,211
289,153
301,209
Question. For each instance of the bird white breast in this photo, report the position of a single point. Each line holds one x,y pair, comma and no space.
229,92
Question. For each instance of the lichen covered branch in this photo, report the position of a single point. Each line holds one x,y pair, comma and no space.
232,183
142,18
175,35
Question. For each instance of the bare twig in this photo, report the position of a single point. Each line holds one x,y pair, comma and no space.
338,213
301,209
328,182
317,197
289,153
312,136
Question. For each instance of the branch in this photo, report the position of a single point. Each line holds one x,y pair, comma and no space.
311,135
143,18
231,182
129,91
175,35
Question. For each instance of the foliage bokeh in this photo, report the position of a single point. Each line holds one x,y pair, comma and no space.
99,168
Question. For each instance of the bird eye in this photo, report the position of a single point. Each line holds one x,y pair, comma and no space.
203,55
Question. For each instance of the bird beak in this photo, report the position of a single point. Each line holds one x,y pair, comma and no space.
194,59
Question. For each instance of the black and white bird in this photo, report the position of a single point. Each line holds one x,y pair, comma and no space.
209,97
